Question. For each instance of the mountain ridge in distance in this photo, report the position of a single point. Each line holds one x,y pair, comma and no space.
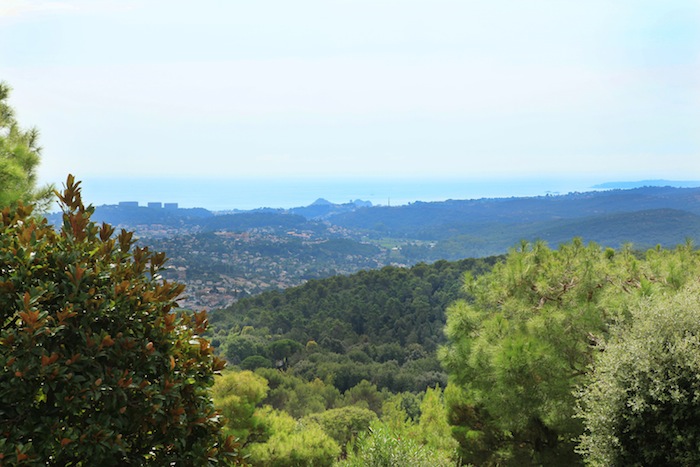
235,255
647,183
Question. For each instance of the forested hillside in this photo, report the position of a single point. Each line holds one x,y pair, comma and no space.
455,229
382,326
427,220
525,334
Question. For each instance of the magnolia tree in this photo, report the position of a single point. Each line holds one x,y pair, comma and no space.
99,367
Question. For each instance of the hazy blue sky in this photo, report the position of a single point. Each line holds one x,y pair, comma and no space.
358,88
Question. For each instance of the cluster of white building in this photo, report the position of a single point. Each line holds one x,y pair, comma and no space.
152,205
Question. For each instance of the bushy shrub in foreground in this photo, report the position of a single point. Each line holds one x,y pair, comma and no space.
642,406
98,367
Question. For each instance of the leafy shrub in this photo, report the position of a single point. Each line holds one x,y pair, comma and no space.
383,447
642,406
293,444
343,424
433,427
237,395
98,368
297,396
365,393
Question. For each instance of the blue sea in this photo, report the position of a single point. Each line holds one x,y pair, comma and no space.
245,194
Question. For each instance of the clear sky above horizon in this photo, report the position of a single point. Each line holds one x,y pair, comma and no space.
358,88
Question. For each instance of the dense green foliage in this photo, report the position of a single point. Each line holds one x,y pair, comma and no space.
237,395
393,304
382,326
98,367
293,443
360,427
384,447
517,353
298,396
642,406
521,345
343,424
19,158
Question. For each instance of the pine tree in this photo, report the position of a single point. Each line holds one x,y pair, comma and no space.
19,158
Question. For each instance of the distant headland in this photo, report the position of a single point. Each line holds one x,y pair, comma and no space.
644,183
